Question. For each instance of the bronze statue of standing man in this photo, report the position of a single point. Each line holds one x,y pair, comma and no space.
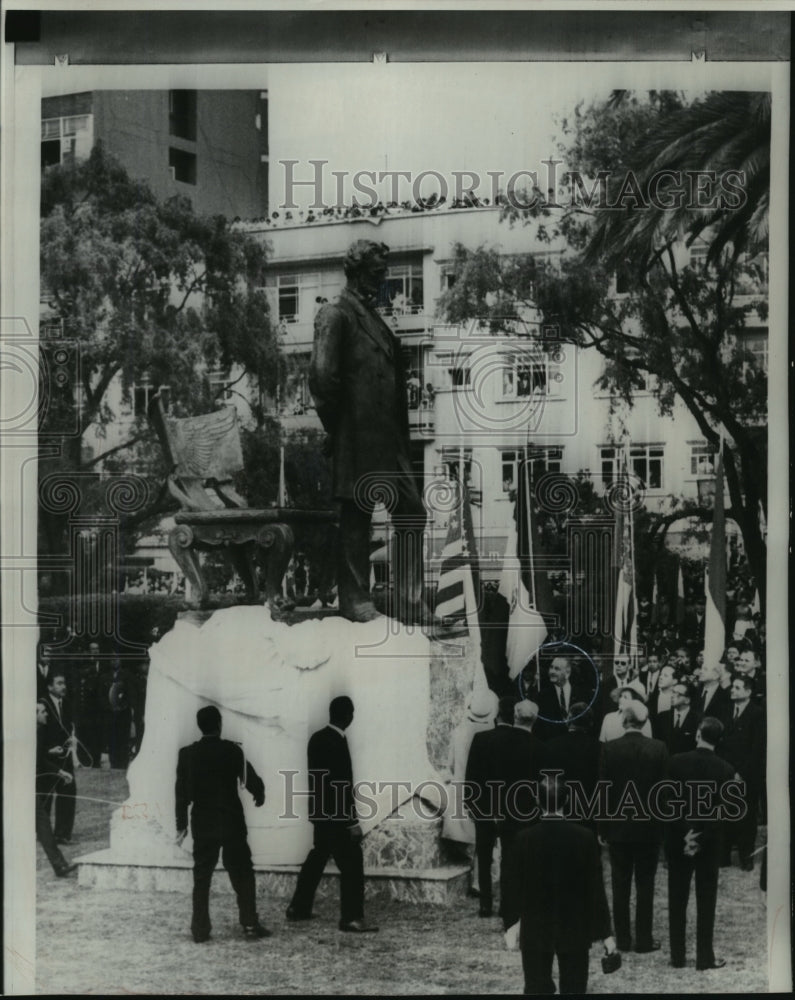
359,386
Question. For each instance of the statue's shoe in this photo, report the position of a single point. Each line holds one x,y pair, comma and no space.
364,612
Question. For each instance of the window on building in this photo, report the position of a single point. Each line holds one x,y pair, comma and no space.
524,378
451,461
460,377
542,460
142,394
220,390
66,138
755,345
401,294
702,460
182,165
646,461
182,114
288,298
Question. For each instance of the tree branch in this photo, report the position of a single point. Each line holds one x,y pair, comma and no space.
119,447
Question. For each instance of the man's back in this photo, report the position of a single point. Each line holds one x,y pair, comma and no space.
632,765
561,894
697,766
208,773
330,768
576,753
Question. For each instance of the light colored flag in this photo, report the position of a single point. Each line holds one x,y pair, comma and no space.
526,627
679,616
625,628
715,578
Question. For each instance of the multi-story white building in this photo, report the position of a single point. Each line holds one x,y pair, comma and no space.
475,395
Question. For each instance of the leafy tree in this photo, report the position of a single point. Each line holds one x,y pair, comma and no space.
682,322
149,291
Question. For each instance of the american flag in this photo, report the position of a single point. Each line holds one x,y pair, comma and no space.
458,573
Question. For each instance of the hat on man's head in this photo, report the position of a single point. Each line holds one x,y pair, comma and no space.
482,706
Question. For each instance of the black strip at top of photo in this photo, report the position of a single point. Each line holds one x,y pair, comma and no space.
179,36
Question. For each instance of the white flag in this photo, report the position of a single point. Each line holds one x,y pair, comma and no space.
526,627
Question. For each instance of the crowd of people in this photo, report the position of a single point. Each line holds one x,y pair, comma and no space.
340,213
614,744
90,714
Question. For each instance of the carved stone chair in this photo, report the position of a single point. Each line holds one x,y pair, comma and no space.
203,454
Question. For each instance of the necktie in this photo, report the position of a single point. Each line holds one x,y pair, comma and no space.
677,720
736,712
562,699
57,703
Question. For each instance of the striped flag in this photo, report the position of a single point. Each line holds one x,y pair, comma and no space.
527,629
625,630
455,595
715,579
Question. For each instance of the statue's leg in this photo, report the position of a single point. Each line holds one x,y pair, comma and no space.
242,557
275,544
408,521
180,545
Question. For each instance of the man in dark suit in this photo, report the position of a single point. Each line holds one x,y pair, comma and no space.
677,727
44,663
649,674
714,700
58,739
632,765
484,798
661,698
576,753
518,763
93,708
692,844
359,387
562,902
556,698
744,747
609,688
337,833
49,774
208,773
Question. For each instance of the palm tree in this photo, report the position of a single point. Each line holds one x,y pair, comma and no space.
724,131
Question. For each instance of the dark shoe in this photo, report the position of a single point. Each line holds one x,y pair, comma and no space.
296,915
65,870
357,927
624,945
201,938
473,893
256,931
63,840
678,965
747,864
486,911
717,963
654,946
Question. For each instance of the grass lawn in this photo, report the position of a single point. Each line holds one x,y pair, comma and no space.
113,942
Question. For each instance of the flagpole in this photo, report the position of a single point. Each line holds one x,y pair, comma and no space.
529,526
633,632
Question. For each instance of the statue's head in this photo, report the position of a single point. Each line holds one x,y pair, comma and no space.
365,265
